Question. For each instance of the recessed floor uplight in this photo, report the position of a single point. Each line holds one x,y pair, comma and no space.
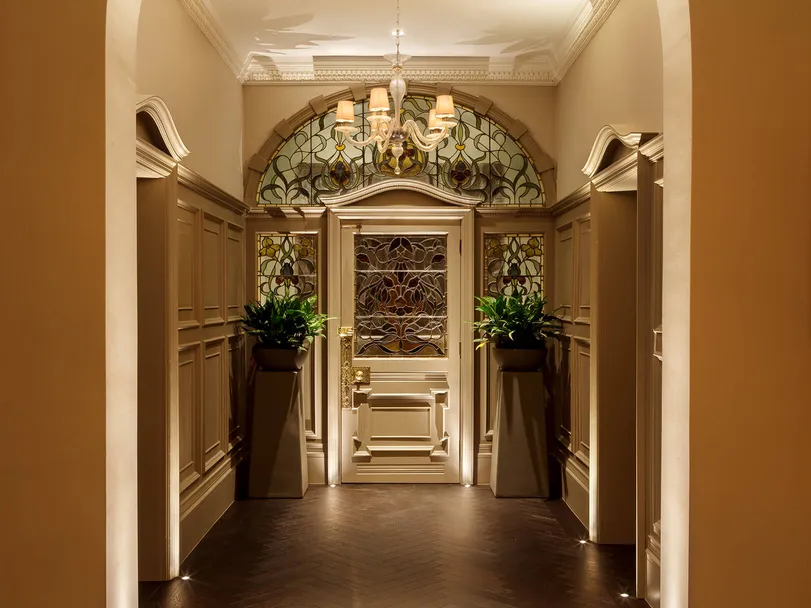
467,485
583,542
625,595
332,485
185,577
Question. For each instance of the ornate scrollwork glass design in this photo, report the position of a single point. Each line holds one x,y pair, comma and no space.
513,264
401,295
287,264
479,159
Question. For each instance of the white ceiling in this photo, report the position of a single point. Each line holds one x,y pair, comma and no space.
528,40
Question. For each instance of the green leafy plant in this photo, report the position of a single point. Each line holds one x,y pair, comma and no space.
516,321
284,321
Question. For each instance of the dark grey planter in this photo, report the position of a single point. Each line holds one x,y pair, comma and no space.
280,359
519,359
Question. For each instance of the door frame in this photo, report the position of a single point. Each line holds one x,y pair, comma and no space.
462,210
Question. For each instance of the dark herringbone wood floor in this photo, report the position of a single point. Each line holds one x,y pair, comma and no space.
399,547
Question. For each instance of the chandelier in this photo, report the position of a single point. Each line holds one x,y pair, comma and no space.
390,133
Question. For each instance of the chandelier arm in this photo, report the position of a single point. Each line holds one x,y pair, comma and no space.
424,142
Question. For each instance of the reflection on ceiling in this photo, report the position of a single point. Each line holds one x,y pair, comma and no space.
529,41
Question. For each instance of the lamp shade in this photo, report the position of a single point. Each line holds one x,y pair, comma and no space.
433,121
346,112
444,106
379,100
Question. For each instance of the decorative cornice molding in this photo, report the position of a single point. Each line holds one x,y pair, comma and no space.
581,30
605,138
654,149
620,176
578,197
151,162
199,184
390,185
514,211
159,112
584,27
206,19
266,75
451,212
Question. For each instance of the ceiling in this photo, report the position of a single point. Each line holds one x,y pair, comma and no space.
530,41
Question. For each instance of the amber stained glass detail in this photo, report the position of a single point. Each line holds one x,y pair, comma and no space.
480,159
287,264
401,295
513,264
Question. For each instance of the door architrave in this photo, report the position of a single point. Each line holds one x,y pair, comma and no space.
450,207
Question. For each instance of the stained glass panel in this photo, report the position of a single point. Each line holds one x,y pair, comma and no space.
401,295
287,264
479,159
513,264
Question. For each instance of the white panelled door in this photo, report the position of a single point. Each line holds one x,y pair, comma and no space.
401,297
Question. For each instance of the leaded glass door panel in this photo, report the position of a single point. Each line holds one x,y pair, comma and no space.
401,295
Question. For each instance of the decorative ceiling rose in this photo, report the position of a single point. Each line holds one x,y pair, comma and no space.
389,133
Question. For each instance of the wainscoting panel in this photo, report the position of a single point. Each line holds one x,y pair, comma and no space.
234,256
583,270
189,412
573,355
214,436
213,269
212,397
188,311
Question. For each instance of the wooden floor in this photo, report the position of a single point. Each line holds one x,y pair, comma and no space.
404,546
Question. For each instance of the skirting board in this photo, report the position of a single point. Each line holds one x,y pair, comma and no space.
483,469
316,468
199,520
576,496
653,582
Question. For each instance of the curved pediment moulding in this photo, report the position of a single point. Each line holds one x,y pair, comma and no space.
607,139
390,185
157,110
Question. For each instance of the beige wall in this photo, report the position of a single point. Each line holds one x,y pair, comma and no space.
750,249
617,80
176,62
265,106
68,492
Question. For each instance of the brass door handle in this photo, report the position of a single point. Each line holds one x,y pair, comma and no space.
350,375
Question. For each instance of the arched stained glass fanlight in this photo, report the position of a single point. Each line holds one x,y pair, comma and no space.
479,159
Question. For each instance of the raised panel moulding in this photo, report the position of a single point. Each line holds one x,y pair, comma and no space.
159,112
608,135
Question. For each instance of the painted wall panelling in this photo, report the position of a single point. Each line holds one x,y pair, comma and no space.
211,392
613,379
312,394
649,370
486,371
572,236
157,380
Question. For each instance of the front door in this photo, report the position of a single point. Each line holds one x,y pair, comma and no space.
400,318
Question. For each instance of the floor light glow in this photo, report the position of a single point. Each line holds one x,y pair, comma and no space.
467,485
185,577
583,542
332,485
624,595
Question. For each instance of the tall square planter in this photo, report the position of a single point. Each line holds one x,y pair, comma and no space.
519,465
278,465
